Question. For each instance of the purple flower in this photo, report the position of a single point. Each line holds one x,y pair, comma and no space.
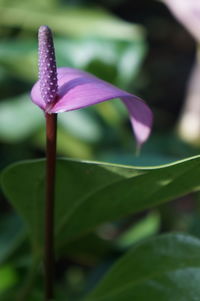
66,89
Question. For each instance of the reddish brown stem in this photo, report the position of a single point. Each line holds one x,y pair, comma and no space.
51,130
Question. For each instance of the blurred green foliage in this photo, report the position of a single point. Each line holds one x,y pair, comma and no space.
85,38
111,49
89,37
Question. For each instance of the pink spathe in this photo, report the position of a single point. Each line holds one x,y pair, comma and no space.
66,89
188,13
78,89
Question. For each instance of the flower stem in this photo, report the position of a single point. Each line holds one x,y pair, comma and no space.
51,129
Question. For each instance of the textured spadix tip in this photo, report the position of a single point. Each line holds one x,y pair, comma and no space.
44,28
47,65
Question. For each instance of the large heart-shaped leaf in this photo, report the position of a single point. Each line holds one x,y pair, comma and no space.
90,193
166,268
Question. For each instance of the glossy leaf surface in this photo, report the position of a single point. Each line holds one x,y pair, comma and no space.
91,193
166,268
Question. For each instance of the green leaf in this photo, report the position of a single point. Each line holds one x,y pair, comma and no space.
18,57
69,21
37,4
91,193
165,268
148,226
12,234
89,249
114,61
81,124
8,278
19,118
67,144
